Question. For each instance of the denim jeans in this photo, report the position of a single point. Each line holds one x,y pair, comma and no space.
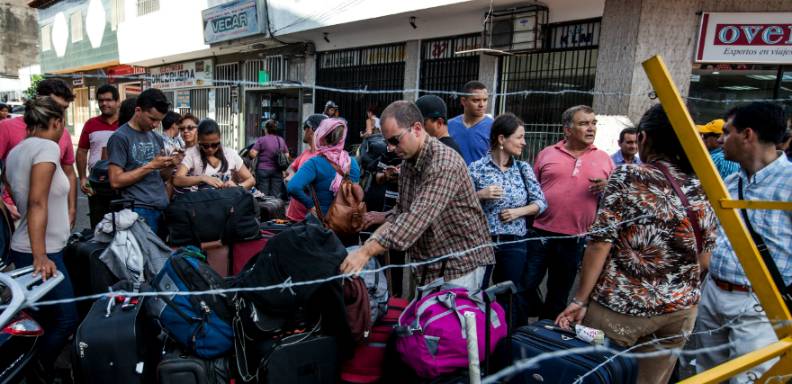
510,264
560,259
153,217
270,182
59,321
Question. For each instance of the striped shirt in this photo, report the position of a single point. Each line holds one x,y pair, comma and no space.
773,183
725,167
437,214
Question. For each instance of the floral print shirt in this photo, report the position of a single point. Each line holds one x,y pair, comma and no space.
520,188
653,265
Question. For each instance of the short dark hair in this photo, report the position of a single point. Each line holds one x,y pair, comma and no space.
5,106
271,126
57,87
627,131
170,119
662,139
406,113
107,88
568,116
473,85
766,119
127,110
189,116
505,124
153,98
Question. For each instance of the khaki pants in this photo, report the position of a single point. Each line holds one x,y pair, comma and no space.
626,331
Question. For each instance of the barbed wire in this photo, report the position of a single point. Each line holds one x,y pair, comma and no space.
366,91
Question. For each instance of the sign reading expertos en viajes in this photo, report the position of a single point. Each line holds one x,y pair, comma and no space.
761,38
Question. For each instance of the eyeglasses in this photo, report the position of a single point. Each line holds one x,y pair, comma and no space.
394,141
209,145
188,128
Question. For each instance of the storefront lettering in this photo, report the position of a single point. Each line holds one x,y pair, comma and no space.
578,35
754,34
229,23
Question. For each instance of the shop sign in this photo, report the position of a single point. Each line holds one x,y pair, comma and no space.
230,21
448,48
577,35
78,82
182,99
761,38
182,75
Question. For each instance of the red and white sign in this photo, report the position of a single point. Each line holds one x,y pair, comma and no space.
761,38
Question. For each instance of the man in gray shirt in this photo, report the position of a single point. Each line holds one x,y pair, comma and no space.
137,166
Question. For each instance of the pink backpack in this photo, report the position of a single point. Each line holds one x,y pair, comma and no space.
432,334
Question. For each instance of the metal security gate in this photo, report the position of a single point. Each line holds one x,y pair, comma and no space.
569,65
199,102
227,103
442,69
373,68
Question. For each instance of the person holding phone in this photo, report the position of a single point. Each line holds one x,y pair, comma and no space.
138,167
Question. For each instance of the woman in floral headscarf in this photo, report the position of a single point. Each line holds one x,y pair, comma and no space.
320,171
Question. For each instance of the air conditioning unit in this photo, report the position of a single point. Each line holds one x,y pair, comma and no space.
515,29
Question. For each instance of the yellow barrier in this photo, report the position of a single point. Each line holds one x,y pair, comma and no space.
724,207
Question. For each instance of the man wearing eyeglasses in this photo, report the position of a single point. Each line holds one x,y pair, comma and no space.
437,213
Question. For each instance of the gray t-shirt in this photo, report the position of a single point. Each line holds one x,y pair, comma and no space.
131,149
19,164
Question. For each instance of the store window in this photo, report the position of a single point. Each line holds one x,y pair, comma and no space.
712,84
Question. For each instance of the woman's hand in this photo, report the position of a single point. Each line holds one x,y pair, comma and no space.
508,215
212,181
230,184
491,192
573,314
44,266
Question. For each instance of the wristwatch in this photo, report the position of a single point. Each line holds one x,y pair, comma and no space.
578,302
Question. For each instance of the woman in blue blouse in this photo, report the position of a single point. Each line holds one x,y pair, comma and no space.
509,194
317,171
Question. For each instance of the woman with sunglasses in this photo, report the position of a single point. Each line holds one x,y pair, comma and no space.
210,165
187,129
318,172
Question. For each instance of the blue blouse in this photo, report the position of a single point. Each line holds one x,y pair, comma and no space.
520,188
318,172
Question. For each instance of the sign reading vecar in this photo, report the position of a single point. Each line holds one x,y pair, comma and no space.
762,38
230,21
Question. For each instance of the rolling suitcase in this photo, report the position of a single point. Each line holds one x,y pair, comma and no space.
270,208
543,337
78,268
304,358
178,367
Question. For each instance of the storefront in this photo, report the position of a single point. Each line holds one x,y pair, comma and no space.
740,56
187,85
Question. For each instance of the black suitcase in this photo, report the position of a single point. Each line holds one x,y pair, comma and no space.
177,367
543,337
270,208
302,358
111,344
78,268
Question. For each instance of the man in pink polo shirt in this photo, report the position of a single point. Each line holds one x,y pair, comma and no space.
13,131
572,173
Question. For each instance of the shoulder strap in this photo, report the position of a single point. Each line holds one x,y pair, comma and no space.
688,209
319,213
335,166
778,279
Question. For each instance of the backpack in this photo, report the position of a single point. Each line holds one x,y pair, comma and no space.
345,215
99,178
201,324
376,285
206,215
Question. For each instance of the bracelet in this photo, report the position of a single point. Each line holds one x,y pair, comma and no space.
578,302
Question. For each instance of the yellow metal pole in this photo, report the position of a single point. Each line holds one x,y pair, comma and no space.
780,373
756,204
733,367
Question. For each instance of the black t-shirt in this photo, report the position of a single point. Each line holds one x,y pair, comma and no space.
449,141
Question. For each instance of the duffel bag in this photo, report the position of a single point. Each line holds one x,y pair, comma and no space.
201,324
206,215
432,339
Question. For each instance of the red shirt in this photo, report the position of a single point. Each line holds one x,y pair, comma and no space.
13,131
94,137
571,208
297,211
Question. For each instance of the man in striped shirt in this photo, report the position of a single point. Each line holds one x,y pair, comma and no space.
438,212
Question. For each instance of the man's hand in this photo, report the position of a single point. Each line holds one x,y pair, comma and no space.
355,261
373,218
597,185
491,192
212,181
85,186
160,162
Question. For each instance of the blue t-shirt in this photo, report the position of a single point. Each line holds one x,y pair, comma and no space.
131,149
474,141
318,172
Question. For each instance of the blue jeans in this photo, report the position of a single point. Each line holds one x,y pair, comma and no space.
270,182
59,321
151,216
560,259
510,264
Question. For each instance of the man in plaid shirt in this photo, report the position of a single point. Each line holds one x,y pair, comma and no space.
437,213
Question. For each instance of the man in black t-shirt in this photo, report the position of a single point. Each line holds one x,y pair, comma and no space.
434,113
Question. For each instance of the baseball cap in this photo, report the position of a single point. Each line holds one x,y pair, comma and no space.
432,107
714,126
331,104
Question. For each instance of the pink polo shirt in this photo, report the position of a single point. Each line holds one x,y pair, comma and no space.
296,211
13,131
565,181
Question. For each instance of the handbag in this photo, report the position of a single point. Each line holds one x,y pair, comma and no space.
281,159
345,215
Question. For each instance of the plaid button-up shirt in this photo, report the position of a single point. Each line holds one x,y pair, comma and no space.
437,214
773,183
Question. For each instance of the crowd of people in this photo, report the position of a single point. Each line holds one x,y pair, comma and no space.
654,262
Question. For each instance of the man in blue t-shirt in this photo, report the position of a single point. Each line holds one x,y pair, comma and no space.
471,129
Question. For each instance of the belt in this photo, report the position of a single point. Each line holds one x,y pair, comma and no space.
499,238
727,286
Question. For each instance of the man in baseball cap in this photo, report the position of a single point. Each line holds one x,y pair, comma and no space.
435,117
331,109
711,134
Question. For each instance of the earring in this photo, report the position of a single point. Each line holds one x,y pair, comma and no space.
501,147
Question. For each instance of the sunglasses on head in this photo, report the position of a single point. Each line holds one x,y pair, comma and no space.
209,145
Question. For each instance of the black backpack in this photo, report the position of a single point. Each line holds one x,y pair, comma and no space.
100,180
227,214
